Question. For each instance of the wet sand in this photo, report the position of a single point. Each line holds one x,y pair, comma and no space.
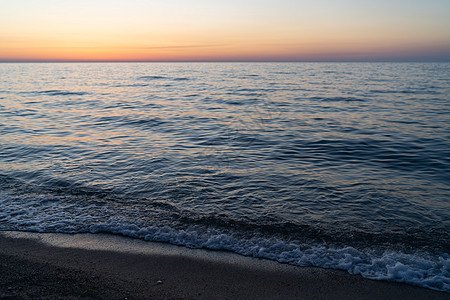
59,266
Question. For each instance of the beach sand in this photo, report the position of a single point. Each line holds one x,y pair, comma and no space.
60,266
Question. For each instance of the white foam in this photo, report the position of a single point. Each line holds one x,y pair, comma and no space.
418,269
46,215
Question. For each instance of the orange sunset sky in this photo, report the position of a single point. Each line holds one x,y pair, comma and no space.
233,30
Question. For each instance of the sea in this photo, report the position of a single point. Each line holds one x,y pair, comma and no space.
333,165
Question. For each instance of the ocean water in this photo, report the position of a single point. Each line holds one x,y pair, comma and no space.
334,165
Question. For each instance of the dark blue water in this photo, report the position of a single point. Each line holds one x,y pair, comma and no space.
333,165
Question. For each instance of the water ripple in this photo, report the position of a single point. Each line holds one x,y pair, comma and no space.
242,157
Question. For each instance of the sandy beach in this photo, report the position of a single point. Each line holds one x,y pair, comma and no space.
57,266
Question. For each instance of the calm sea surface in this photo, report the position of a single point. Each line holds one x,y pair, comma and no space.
333,165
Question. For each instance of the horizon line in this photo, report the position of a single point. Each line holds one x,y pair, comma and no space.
237,61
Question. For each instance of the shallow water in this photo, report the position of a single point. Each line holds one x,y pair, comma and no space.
327,164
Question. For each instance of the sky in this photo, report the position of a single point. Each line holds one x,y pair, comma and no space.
219,30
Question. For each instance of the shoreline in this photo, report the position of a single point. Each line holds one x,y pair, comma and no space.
101,266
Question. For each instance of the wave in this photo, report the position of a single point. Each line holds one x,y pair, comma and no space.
163,78
337,99
417,268
249,76
131,85
408,155
151,77
41,214
128,121
417,91
60,93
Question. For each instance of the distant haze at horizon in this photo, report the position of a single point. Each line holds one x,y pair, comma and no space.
203,31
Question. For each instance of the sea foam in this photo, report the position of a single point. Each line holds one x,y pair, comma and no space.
40,214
